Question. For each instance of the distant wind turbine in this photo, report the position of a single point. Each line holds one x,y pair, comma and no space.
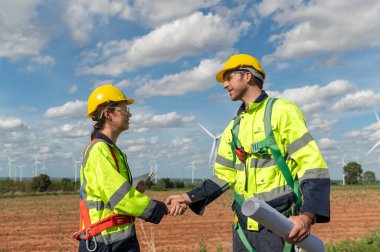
378,142
154,168
192,166
10,161
343,163
43,168
76,162
214,144
35,166
21,167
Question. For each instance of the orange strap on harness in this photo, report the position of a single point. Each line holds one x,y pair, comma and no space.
91,230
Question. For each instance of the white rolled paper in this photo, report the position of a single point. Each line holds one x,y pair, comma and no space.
279,224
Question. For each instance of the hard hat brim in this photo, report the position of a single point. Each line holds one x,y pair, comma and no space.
220,75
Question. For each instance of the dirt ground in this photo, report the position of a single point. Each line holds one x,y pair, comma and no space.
46,223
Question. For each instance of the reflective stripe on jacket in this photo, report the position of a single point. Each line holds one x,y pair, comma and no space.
106,191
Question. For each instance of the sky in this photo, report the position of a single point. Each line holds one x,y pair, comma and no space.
323,55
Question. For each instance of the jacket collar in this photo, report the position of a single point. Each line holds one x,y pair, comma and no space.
103,137
255,103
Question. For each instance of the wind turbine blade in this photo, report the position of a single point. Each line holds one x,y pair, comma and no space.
377,117
378,142
208,132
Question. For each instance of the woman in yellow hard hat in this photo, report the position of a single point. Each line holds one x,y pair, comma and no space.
109,203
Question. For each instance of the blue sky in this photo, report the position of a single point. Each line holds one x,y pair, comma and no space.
322,55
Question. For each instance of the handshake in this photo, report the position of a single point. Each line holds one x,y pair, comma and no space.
177,204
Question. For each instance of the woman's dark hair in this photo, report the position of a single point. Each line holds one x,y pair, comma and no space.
98,117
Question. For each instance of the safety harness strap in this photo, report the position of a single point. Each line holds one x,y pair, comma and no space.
278,158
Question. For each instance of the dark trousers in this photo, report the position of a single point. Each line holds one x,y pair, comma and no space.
263,240
127,245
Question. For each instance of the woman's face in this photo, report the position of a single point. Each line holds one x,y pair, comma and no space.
119,116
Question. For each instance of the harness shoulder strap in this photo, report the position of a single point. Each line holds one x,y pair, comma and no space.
278,157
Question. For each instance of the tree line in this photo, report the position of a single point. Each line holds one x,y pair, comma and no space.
43,183
353,174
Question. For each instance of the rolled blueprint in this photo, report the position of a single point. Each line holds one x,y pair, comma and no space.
279,224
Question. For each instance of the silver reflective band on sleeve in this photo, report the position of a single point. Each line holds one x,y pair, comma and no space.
224,161
274,193
220,182
317,173
118,195
299,143
148,210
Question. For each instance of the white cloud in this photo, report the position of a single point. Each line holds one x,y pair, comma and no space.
167,43
199,78
44,60
169,120
314,98
80,16
323,26
76,109
320,122
327,144
359,100
79,129
11,123
135,145
73,89
19,37
155,13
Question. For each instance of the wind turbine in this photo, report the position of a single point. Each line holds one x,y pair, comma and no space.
154,168
214,144
43,168
21,168
35,166
10,161
343,163
378,142
192,166
76,162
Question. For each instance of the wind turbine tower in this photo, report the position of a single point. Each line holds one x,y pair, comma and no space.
43,168
76,162
35,166
214,144
21,167
343,163
192,166
154,168
378,142
10,161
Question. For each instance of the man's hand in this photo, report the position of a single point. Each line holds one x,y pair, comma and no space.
178,204
301,229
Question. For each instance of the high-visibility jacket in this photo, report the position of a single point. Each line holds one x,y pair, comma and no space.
259,176
108,191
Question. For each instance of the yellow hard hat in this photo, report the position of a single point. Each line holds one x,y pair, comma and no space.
241,61
103,94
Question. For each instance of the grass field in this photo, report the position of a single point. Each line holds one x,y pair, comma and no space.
46,223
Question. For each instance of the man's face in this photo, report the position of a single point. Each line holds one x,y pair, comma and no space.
234,82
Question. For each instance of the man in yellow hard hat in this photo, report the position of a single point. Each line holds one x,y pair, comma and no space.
266,152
